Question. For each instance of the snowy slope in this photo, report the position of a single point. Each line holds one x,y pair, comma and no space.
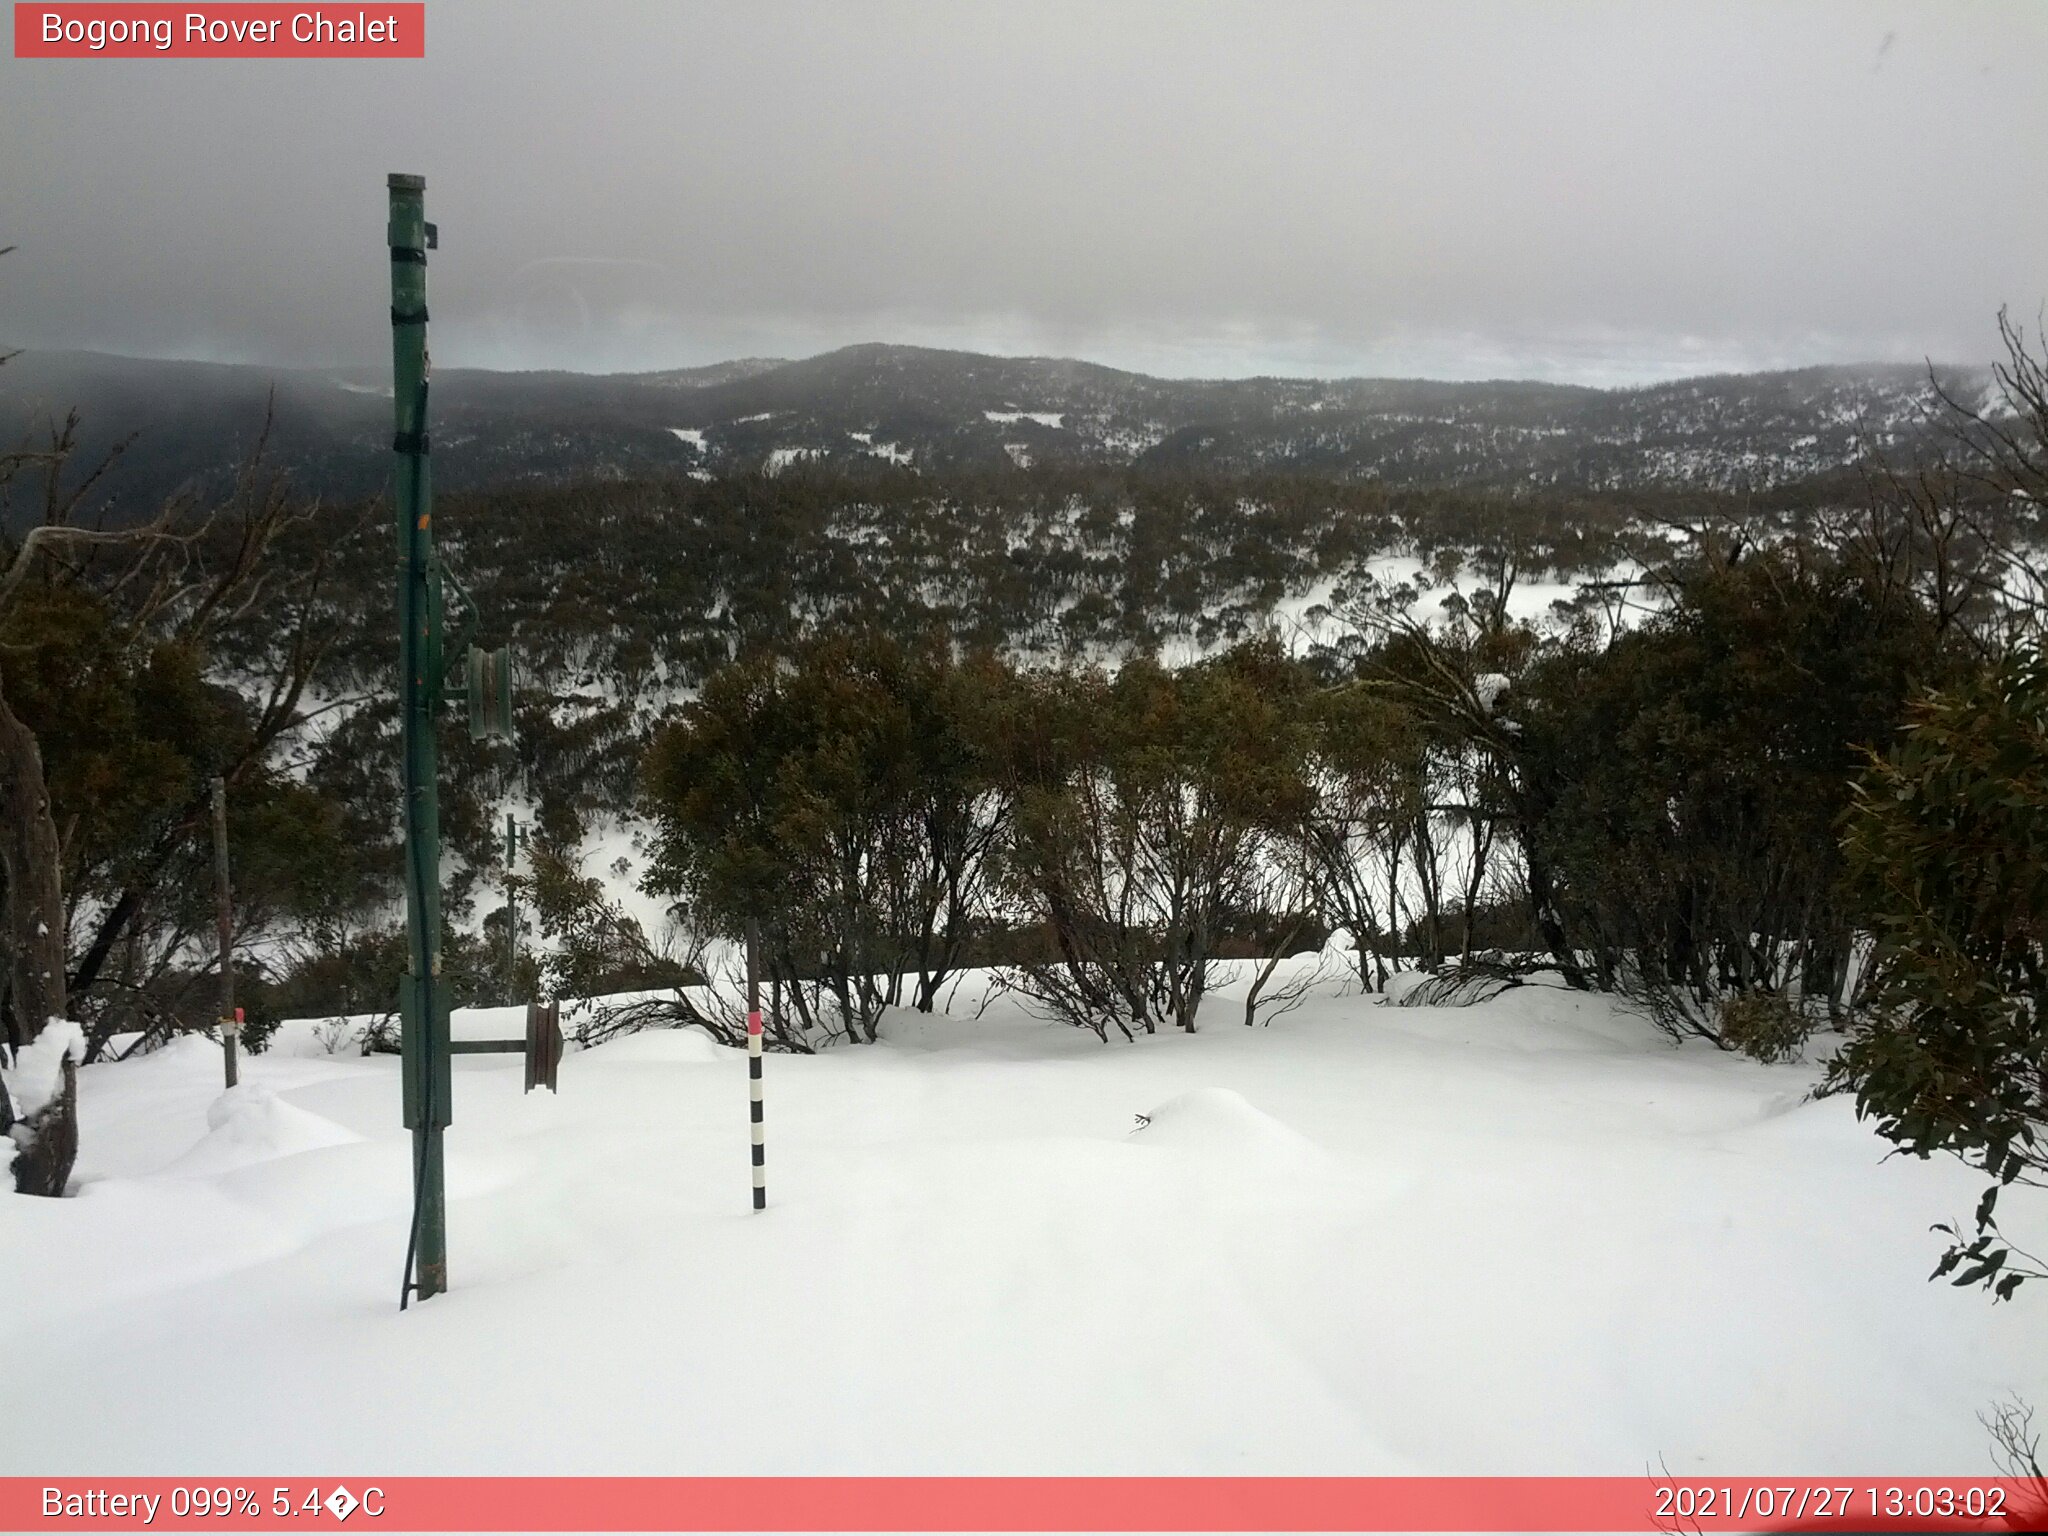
1523,1237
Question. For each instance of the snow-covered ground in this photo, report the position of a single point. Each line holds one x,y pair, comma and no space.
1527,1236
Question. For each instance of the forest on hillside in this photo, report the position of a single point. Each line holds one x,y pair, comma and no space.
1099,727
254,635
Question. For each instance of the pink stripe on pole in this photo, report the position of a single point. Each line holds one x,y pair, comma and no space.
754,1022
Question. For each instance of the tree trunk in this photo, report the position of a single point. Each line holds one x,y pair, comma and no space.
1542,905
49,1140
31,859
224,929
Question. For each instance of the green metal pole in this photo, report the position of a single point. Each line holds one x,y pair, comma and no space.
423,1011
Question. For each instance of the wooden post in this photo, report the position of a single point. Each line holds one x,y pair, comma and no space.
515,838
224,919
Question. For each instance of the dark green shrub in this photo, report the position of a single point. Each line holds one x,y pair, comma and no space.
1947,848
1678,790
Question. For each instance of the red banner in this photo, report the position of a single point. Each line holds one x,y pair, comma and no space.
260,31
1511,1504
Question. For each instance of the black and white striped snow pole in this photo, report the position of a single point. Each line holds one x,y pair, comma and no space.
754,1066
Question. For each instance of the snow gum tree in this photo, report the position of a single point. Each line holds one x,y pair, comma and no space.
1672,788
116,644
1370,771
1947,847
1149,805
843,799
1693,769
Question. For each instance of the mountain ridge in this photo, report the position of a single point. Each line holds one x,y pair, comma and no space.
937,410
747,367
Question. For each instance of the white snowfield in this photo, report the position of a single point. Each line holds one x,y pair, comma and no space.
1528,1236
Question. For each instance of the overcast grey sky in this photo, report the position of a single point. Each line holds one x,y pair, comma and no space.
1595,191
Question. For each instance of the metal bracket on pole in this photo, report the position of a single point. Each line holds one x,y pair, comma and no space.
543,1044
